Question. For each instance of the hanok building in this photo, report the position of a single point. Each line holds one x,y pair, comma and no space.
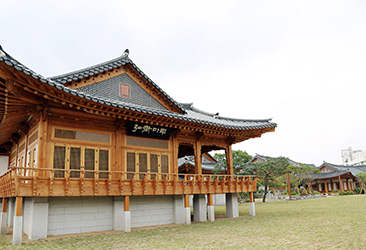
97,149
336,177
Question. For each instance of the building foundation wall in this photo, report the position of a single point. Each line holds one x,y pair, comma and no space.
151,210
79,215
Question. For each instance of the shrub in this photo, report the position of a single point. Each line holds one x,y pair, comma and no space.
359,191
316,192
335,191
304,192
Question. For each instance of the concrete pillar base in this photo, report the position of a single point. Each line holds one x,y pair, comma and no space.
17,230
4,222
11,210
232,209
199,208
127,221
187,215
211,213
252,209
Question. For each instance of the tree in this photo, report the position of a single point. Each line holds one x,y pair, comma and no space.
361,179
240,160
301,174
270,169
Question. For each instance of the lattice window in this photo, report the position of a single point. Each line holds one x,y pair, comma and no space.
59,160
33,138
75,161
22,147
89,161
146,162
103,163
142,142
77,158
81,136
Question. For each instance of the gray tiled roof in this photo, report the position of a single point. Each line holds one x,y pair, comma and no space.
354,170
105,66
264,158
328,175
191,114
189,160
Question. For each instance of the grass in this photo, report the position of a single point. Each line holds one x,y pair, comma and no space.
327,223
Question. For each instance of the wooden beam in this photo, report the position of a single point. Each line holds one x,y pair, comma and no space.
21,93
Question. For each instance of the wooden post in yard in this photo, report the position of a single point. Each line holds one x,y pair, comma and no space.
18,222
288,185
187,210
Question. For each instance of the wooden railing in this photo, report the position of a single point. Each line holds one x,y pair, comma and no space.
44,182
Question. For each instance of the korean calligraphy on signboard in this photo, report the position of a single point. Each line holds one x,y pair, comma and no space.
149,131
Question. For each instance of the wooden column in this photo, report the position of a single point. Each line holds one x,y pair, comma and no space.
229,160
197,157
326,186
187,210
210,208
42,145
210,200
341,184
251,204
175,152
126,214
18,222
288,185
126,203
251,197
5,205
186,200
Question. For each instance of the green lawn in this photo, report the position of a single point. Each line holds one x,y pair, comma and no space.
326,223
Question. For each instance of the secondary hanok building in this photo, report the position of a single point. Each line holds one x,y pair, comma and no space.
97,149
336,177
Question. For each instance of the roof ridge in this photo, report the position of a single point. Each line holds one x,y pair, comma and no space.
123,56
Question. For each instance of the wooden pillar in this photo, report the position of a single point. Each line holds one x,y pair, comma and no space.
42,144
18,222
186,200
229,160
197,157
251,196
210,208
326,186
4,216
127,214
341,184
5,205
187,210
126,204
251,204
288,186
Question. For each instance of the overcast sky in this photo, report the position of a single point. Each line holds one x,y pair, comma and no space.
303,63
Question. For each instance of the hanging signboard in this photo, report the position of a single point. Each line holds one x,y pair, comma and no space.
149,131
